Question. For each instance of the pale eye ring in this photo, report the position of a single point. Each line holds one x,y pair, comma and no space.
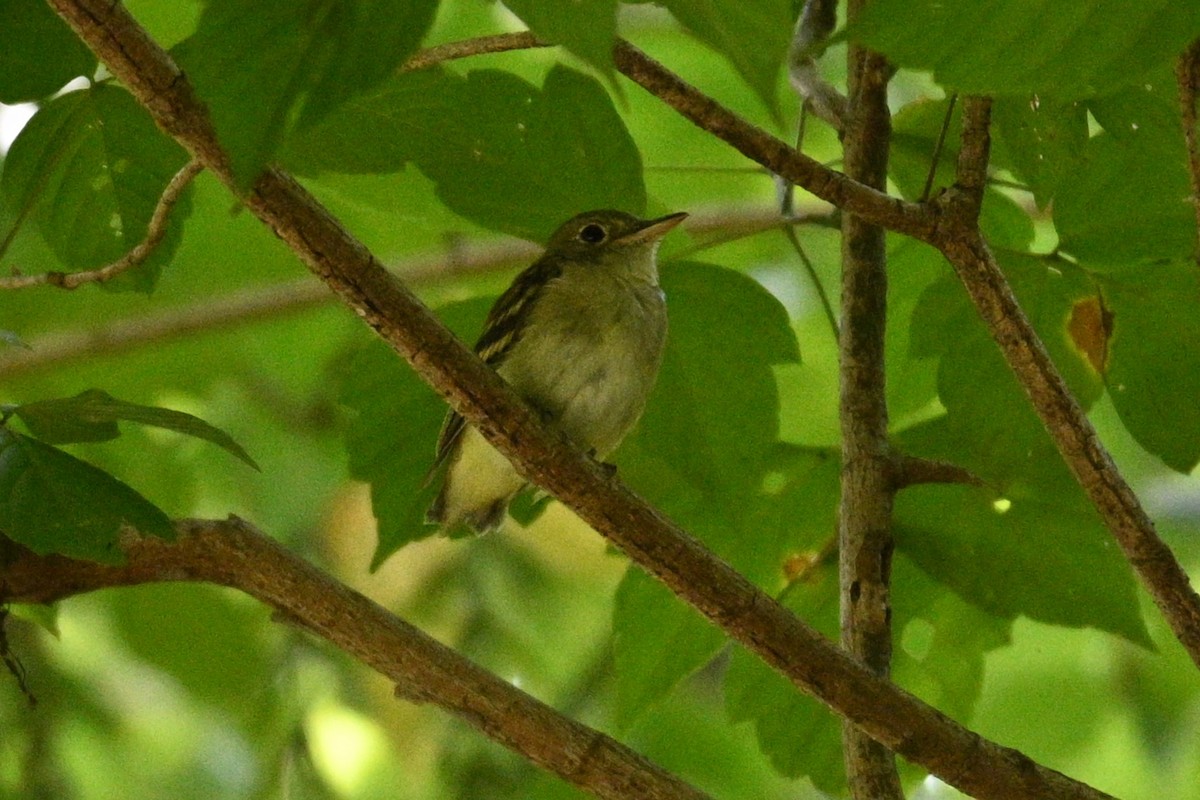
592,233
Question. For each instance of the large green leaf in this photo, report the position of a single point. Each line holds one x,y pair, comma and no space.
90,167
1153,369
519,160
1050,560
1125,202
1044,140
1064,48
92,416
52,502
40,52
266,68
1126,196
701,454
753,34
585,27
382,129
986,405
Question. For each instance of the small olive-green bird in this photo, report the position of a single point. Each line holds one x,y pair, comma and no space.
579,335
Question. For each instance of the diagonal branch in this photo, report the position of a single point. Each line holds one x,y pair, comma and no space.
900,721
233,553
155,231
963,245
872,205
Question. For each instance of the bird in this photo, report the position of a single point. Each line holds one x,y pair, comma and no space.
579,335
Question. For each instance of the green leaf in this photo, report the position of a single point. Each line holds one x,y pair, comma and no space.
1044,140
392,437
52,502
521,161
381,129
92,416
753,34
264,69
585,27
1003,440
1064,48
701,454
1045,557
40,53
1153,373
984,401
91,166
1126,202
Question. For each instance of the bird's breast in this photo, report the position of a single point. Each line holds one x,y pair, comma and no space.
589,357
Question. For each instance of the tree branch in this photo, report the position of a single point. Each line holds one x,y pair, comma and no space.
961,242
897,719
233,553
1187,73
865,519
756,144
155,231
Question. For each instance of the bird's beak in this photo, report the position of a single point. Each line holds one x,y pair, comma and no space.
654,229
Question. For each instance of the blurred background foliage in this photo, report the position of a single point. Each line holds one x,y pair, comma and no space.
1014,611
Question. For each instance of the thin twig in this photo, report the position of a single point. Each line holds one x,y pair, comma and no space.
963,245
865,541
900,721
481,45
155,231
814,279
1187,73
233,553
936,158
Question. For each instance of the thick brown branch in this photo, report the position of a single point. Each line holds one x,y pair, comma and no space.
898,720
865,529
1187,73
232,553
155,231
963,245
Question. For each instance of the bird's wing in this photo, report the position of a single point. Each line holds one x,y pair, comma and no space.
503,329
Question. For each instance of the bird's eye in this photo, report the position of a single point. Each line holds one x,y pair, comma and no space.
592,233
